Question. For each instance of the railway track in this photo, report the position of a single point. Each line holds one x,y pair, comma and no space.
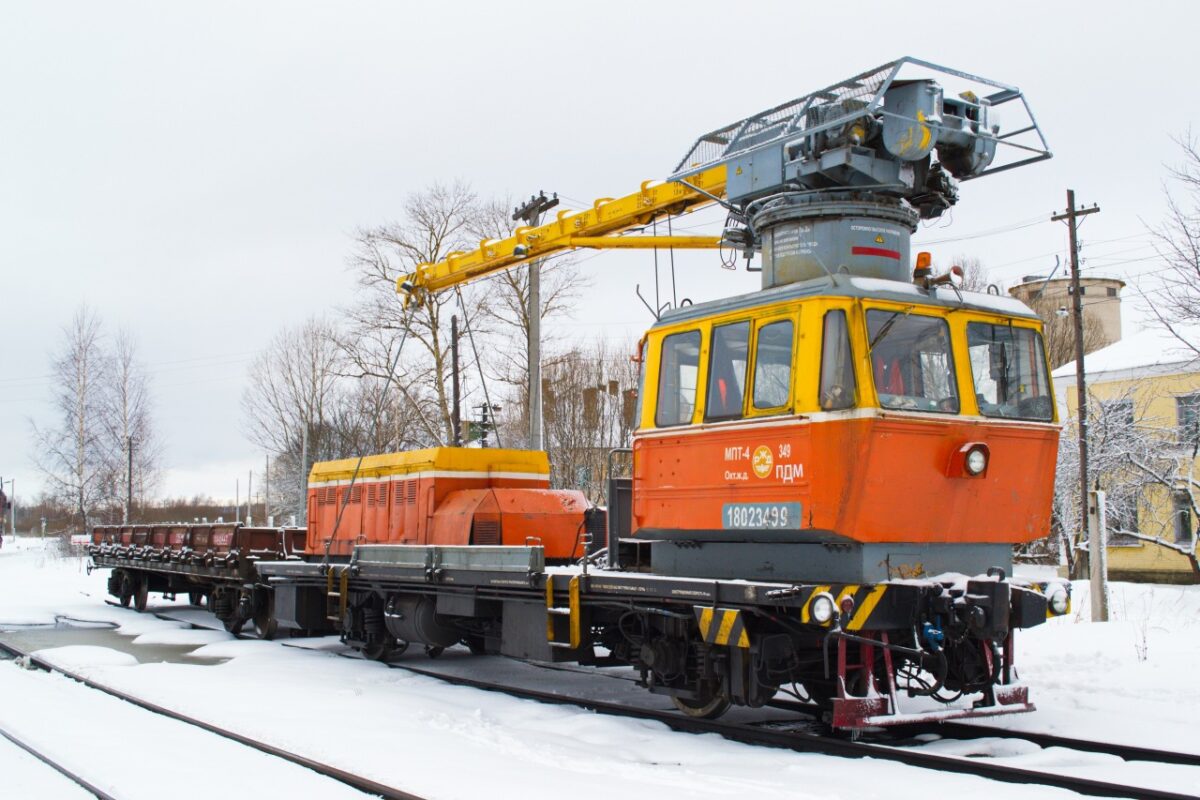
804,734
805,740
967,731
335,773
49,760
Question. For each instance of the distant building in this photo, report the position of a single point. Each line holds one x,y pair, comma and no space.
1150,382
1051,299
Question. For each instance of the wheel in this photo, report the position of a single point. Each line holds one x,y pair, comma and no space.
196,598
234,624
703,708
476,645
434,652
141,594
265,624
384,649
126,597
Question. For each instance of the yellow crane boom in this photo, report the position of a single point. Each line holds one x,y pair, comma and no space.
598,227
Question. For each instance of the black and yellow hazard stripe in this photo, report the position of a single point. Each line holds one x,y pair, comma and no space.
866,600
724,626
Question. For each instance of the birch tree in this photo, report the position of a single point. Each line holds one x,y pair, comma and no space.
127,420
74,454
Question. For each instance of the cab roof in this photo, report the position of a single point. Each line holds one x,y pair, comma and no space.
855,287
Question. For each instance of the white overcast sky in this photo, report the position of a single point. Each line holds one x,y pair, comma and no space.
194,171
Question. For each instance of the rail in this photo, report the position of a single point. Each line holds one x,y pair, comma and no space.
342,776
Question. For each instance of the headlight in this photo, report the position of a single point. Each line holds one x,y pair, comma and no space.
821,608
1060,602
976,462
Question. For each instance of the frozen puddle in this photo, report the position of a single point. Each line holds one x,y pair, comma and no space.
170,645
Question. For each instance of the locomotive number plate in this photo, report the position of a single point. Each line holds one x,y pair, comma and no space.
737,516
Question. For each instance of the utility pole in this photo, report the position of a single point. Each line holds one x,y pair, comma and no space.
304,476
1071,216
267,492
1098,556
129,480
531,213
237,499
249,497
455,390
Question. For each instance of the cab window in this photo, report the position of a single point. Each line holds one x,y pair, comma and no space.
911,361
678,368
773,365
1009,369
837,364
727,371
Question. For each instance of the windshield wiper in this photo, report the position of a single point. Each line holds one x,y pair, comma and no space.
887,326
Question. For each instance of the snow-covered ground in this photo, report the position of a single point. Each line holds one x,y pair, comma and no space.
1131,680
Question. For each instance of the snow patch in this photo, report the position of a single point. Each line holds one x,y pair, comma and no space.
85,655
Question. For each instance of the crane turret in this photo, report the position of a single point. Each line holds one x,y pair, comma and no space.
836,180
831,182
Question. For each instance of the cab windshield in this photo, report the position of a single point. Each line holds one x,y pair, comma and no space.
911,361
1009,370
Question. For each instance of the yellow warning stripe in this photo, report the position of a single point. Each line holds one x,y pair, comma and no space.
730,628
727,620
848,591
863,612
549,605
576,615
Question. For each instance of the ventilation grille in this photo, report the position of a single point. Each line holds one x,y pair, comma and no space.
405,493
485,532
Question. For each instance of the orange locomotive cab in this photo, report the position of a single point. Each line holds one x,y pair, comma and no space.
851,428
443,496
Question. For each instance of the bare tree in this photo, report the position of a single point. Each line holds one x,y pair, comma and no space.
1175,303
73,455
292,396
1147,468
590,398
1116,428
508,306
1162,467
1058,331
437,222
128,425
975,275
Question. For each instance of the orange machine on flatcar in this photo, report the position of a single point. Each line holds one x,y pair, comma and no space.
443,496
